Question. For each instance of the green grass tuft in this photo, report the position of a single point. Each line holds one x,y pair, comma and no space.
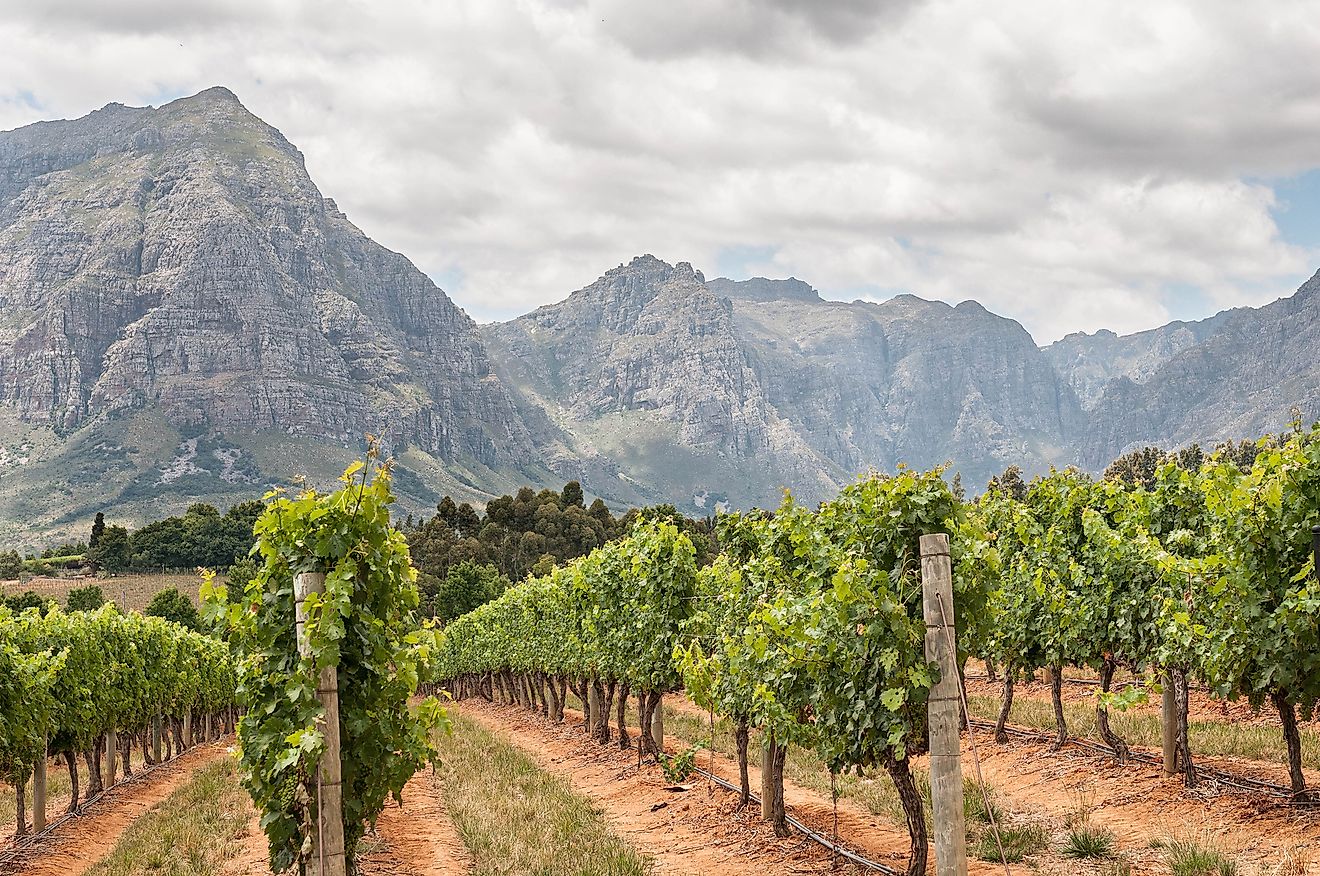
1090,842
1019,841
1186,858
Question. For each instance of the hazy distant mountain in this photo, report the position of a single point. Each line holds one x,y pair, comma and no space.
1247,375
183,316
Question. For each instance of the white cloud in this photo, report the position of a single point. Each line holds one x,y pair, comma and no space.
1066,164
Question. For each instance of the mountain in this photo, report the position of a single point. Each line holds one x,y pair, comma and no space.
1090,362
734,389
1252,372
643,367
184,317
172,276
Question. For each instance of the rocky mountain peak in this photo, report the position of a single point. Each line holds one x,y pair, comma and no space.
762,289
180,258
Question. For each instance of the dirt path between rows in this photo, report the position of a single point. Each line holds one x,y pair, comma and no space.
79,843
1138,802
417,839
690,831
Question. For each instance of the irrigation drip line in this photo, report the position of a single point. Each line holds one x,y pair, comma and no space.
808,832
1241,783
24,844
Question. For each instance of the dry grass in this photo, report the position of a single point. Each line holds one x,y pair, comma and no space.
516,818
1207,738
192,833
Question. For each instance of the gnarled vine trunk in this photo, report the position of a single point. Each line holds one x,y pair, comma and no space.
601,730
556,700
1112,739
649,701
1288,717
1056,697
92,757
1184,745
20,789
1005,708
621,716
913,810
71,760
777,814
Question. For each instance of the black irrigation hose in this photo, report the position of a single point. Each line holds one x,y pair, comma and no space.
1241,783
808,832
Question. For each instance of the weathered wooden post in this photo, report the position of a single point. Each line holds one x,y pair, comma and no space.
767,777
110,739
593,708
328,840
658,722
187,729
39,793
946,780
1169,726
155,737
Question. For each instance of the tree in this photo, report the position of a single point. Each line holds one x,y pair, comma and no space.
572,495
87,598
1009,484
11,565
172,605
112,552
465,587
98,529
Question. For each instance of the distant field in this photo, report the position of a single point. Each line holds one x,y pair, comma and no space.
129,591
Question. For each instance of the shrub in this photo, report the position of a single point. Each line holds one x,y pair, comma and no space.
87,598
174,606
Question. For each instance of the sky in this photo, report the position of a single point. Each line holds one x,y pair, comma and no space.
1074,166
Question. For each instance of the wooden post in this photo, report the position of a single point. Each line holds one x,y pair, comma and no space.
767,778
946,780
328,839
187,729
155,737
110,751
39,794
593,708
658,722
1169,726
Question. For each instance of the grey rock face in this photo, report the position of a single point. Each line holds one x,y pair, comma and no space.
1251,374
907,381
813,391
1091,362
182,257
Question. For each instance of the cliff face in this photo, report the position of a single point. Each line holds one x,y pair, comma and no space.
644,367
906,381
766,372
1250,374
181,257
1091,362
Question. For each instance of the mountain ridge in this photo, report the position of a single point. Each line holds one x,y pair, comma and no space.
183,315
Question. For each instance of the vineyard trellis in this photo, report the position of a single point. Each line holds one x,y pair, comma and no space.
99,683
808,626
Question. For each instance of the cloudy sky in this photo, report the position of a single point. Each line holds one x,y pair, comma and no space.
1072,165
